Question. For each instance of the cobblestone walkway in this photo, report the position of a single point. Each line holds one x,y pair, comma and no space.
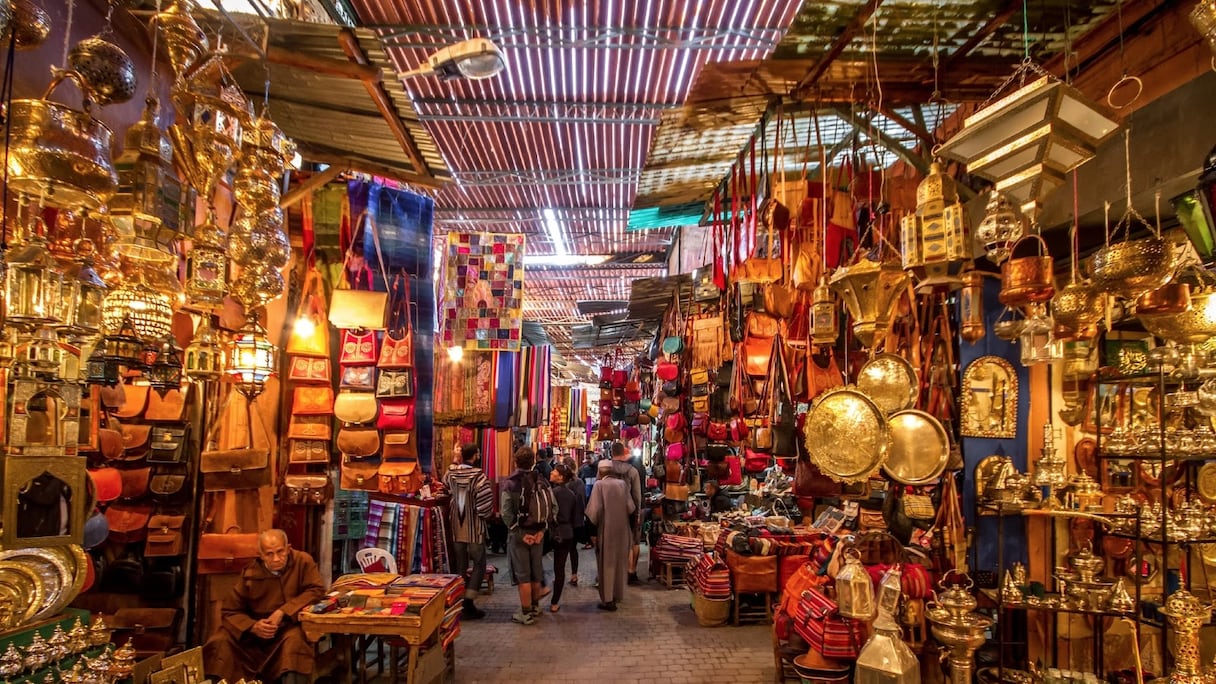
652,637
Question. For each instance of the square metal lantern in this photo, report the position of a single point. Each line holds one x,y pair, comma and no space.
204,355
149,192
33,288
254,359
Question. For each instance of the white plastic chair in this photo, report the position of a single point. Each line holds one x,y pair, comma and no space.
368,557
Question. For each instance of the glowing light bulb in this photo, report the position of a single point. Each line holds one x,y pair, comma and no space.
455,353
304,327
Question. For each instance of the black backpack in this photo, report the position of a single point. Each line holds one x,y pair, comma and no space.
537,507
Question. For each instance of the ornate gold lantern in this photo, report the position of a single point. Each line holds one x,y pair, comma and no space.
207,264
181,36
204,354
971,307
1203,18
150,196
869,290
34,285
934,239
1002,226
101,368
885,658
825,319
254,358
139,302
214,110
854,588
83,295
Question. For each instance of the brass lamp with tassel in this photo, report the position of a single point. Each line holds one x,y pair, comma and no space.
934,239
869,290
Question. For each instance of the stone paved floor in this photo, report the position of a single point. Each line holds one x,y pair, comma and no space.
653,637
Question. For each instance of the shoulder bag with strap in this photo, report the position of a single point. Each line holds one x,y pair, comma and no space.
245,467
312,308
397,350
360,309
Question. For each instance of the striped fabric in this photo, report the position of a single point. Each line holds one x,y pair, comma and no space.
708,577
472,502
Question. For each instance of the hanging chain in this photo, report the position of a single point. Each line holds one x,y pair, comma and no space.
67,33
155,47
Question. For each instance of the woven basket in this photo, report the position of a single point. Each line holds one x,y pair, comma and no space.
710,613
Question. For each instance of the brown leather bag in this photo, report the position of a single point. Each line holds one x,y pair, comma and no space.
226,553
246,467
135,481
400,445
356,407
752,574
110,440
779,300
168,486
128,522
148,629
400,477
136,440
165,536
306,490
360,475
170,408
809,481
356,441
820,379
135,400
314,400
308,451
310,427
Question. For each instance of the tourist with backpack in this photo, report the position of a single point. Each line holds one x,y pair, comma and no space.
611,510
528,510
472,502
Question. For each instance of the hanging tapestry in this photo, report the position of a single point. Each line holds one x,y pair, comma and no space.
484,277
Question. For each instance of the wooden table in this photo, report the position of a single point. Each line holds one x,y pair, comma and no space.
362,629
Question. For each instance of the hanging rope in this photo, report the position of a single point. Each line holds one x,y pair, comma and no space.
67,33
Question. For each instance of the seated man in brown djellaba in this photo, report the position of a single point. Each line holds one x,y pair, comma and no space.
259,636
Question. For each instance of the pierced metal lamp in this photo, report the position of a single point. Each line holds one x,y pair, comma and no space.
253,359
204,354
165,373
934,239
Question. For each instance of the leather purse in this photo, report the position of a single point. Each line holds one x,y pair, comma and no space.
358,378
779,300
312,308
398,349
400,446
162,581
360,309
400,477
356,407
755,461
362,475
225,553
135,400
170,408
308,451
752,574
820,379
762,438
396,414
758,344
168,444
820,624
312,401
358,441
395,384
112,396
135,482
667,371
109,439
306,490
168,487
165,536
135,441
308,369
124,575
246,467
716,430
310,427
148,629
128,522
107,483
359,348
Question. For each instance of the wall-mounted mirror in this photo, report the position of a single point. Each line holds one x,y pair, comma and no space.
44,501
990,399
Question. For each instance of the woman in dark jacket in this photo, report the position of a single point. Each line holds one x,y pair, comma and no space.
579,521
569,509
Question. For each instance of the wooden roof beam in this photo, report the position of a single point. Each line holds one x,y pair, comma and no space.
842,41
891,144
998,20
922,134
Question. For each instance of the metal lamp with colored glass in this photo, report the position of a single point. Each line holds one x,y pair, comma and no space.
165,373
253,359
204,355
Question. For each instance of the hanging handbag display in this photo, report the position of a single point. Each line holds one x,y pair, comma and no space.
400,477
306,490
312,401
308,369
352,308
360,475
395,384
359,348
400,446
128,522
169,407
167,486
356,441
304,451
758,344
396,414
310,427
310,341
398,349
135,482
226,553
165,536
245,467
168,444
135,441
135,399
355,407
358,378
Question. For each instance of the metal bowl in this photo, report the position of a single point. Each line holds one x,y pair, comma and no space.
1077,306
890,381
1133,267
1193,326
846,435
107,71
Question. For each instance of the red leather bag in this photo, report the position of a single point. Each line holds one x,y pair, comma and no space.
755,461
396,414
716,431
675,452
358,348
397,351
735,472
666,370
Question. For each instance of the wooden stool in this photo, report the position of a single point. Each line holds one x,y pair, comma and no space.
750,614
671,575
783,660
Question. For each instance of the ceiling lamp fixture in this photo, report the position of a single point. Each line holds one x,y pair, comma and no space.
1026,141
474,59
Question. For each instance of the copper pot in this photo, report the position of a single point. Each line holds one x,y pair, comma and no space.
1027,279
1171,298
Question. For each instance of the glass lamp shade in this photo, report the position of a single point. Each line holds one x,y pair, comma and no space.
885,658
204,355
34,286
854,589
1035,339
149,312
207,265
253,359
40,355
933,240
825,319
1002,226
890,589
166,372
1026,142
148,188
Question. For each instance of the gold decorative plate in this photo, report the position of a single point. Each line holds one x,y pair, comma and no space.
846,435
1205,482
919,450
890,381
55,575
22,586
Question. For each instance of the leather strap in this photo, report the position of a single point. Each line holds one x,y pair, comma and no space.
364,221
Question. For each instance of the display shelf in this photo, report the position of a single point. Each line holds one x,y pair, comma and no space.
1155,539
1154,457
1059,609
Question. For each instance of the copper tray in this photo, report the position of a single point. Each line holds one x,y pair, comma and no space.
846,435
890,381
919,450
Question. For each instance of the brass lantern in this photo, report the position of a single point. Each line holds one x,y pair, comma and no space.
1026,142
1002,226
124,346
854,588
1203,18
934,239
253,359
972,327
1035,339
825,321
150,196
165,373
101,368
204,354
207,264
869,290
890,590
84,294
885,658
33,287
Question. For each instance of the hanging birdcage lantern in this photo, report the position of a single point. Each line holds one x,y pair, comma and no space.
254,358
136,301
83,294
150,197
34,285
972,327
204,355
124,346
825,315
207,264
101,368
854,588
165,373
934,239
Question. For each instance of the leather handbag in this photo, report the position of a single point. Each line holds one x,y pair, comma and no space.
135,441
128,522
779,300
148,629
355,407
165,536
716,430
820,624
356,475
308,369
752,574
306,490
734,474
395,384
353,308
359,348
358,378
168,487
675,452
821,378
109,439
758,344
308,451
135,400
310,427
396,414
106,482
667,371
226,553
312,401
398,349
810,482
168,444
400,477
124,575
170,408
400,446
135,482
246,467
356,441
315,342
162,581
755,461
